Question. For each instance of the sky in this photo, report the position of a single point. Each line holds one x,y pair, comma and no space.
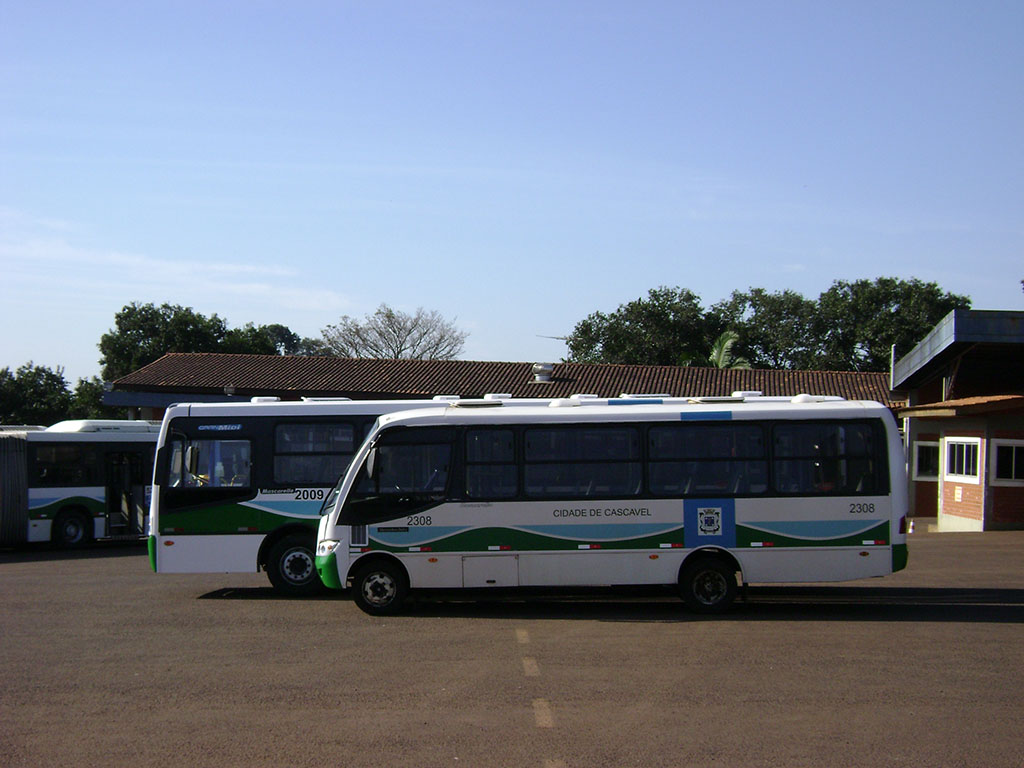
515,165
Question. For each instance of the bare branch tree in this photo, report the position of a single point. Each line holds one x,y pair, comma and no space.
390,334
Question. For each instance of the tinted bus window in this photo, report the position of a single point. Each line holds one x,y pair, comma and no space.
312,454
820,458
490,464
707,460
578,462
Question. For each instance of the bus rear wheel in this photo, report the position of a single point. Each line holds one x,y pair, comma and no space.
708,585
71,529
291,567
380,588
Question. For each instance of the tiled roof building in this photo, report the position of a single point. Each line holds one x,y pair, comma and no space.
177,377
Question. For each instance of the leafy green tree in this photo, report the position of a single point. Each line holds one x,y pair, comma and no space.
289,343
390,334
87,402
669,327
248,340
722,355
33,394
857,323
143,333
774,330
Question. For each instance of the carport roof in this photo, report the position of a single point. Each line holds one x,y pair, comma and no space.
988,336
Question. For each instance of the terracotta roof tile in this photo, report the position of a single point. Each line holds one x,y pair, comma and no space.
288,376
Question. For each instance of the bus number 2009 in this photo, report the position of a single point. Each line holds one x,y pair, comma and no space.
310,494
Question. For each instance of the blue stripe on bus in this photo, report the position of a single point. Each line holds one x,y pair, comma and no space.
415,537
706,416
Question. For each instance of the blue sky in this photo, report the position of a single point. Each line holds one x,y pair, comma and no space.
513,165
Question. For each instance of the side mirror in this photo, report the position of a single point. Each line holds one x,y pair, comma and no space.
191,459
371,462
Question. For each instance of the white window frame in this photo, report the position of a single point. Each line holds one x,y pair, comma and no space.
995,445
938,469
944,458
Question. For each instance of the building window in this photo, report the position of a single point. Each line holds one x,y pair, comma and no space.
1008,468
962,455
926,461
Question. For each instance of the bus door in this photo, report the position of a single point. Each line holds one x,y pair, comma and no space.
126,494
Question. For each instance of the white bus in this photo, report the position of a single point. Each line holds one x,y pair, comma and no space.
807,490
238,487
76,482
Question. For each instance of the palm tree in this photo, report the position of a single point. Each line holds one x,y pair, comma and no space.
721,352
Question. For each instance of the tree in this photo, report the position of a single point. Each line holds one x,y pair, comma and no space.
774,330
288,343
87,402
669,327
248,340
722,352
857,323
394,335
145,332
34,394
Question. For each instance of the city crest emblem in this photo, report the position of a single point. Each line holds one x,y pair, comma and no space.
709,521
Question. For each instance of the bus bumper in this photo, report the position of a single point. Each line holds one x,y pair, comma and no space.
327,567
899,557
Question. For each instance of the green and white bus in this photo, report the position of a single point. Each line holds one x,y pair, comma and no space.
238,487
76,482
803,490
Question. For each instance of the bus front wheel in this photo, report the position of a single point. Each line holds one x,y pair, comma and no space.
291,568
708,585
380,588
71,529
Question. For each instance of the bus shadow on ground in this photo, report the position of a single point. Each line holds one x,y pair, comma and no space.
35,553
985,606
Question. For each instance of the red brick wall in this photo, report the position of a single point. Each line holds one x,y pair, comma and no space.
1007,504
972,500
926,499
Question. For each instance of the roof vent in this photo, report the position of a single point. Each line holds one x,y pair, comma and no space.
744,393
542,372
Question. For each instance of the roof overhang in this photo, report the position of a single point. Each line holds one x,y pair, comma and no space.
960,331
968,406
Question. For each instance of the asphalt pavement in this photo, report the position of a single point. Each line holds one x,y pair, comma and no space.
104,663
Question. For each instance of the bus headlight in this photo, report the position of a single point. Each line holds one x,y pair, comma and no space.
325,547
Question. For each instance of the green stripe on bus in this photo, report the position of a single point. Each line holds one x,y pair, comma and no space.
495,539
750,537
900,556
227,518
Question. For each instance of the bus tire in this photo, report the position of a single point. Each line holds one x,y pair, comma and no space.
380,588
291,567
708,584
71,529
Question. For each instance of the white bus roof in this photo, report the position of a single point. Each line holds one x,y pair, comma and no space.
330,406
104,425
693,411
